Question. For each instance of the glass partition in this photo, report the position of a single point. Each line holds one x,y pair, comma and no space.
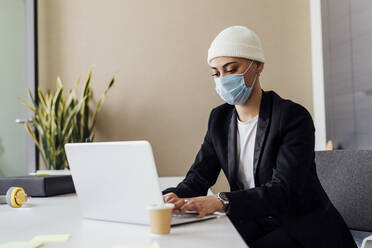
15,155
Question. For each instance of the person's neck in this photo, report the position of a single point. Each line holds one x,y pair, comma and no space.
251,108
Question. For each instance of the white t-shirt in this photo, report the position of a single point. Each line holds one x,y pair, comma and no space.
246,136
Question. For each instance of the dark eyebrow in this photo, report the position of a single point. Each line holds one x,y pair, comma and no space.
225,65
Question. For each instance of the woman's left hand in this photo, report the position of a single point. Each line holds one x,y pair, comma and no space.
204,205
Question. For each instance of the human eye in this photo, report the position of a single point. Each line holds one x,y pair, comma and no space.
215,74
231,70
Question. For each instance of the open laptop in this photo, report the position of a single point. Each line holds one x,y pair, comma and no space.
115,181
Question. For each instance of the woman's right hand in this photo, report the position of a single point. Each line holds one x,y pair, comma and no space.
173,198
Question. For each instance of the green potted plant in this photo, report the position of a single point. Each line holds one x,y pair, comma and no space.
60,119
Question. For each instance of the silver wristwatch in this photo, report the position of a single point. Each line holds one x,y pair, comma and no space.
225,201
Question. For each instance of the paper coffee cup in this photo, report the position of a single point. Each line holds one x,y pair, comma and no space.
160,217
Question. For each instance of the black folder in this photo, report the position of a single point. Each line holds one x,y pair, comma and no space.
43,185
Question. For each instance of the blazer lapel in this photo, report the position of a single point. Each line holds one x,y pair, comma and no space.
262,129
231,151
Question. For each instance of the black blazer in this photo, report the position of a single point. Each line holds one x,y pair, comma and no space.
286,183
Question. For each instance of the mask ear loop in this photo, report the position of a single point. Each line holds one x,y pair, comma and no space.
255,78
248,68
257,75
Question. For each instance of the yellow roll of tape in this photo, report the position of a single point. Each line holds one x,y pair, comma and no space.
16,197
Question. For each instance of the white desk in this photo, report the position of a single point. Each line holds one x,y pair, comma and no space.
61,214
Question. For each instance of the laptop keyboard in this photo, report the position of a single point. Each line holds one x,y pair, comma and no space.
188,217
185,215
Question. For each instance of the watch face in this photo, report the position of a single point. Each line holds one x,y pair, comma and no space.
223,196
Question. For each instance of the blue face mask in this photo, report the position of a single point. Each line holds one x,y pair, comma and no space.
232,88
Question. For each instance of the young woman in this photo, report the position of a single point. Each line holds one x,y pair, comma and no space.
265,146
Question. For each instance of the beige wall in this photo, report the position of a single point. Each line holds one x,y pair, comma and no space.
157,51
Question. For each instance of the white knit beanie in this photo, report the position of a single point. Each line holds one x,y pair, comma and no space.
237,41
